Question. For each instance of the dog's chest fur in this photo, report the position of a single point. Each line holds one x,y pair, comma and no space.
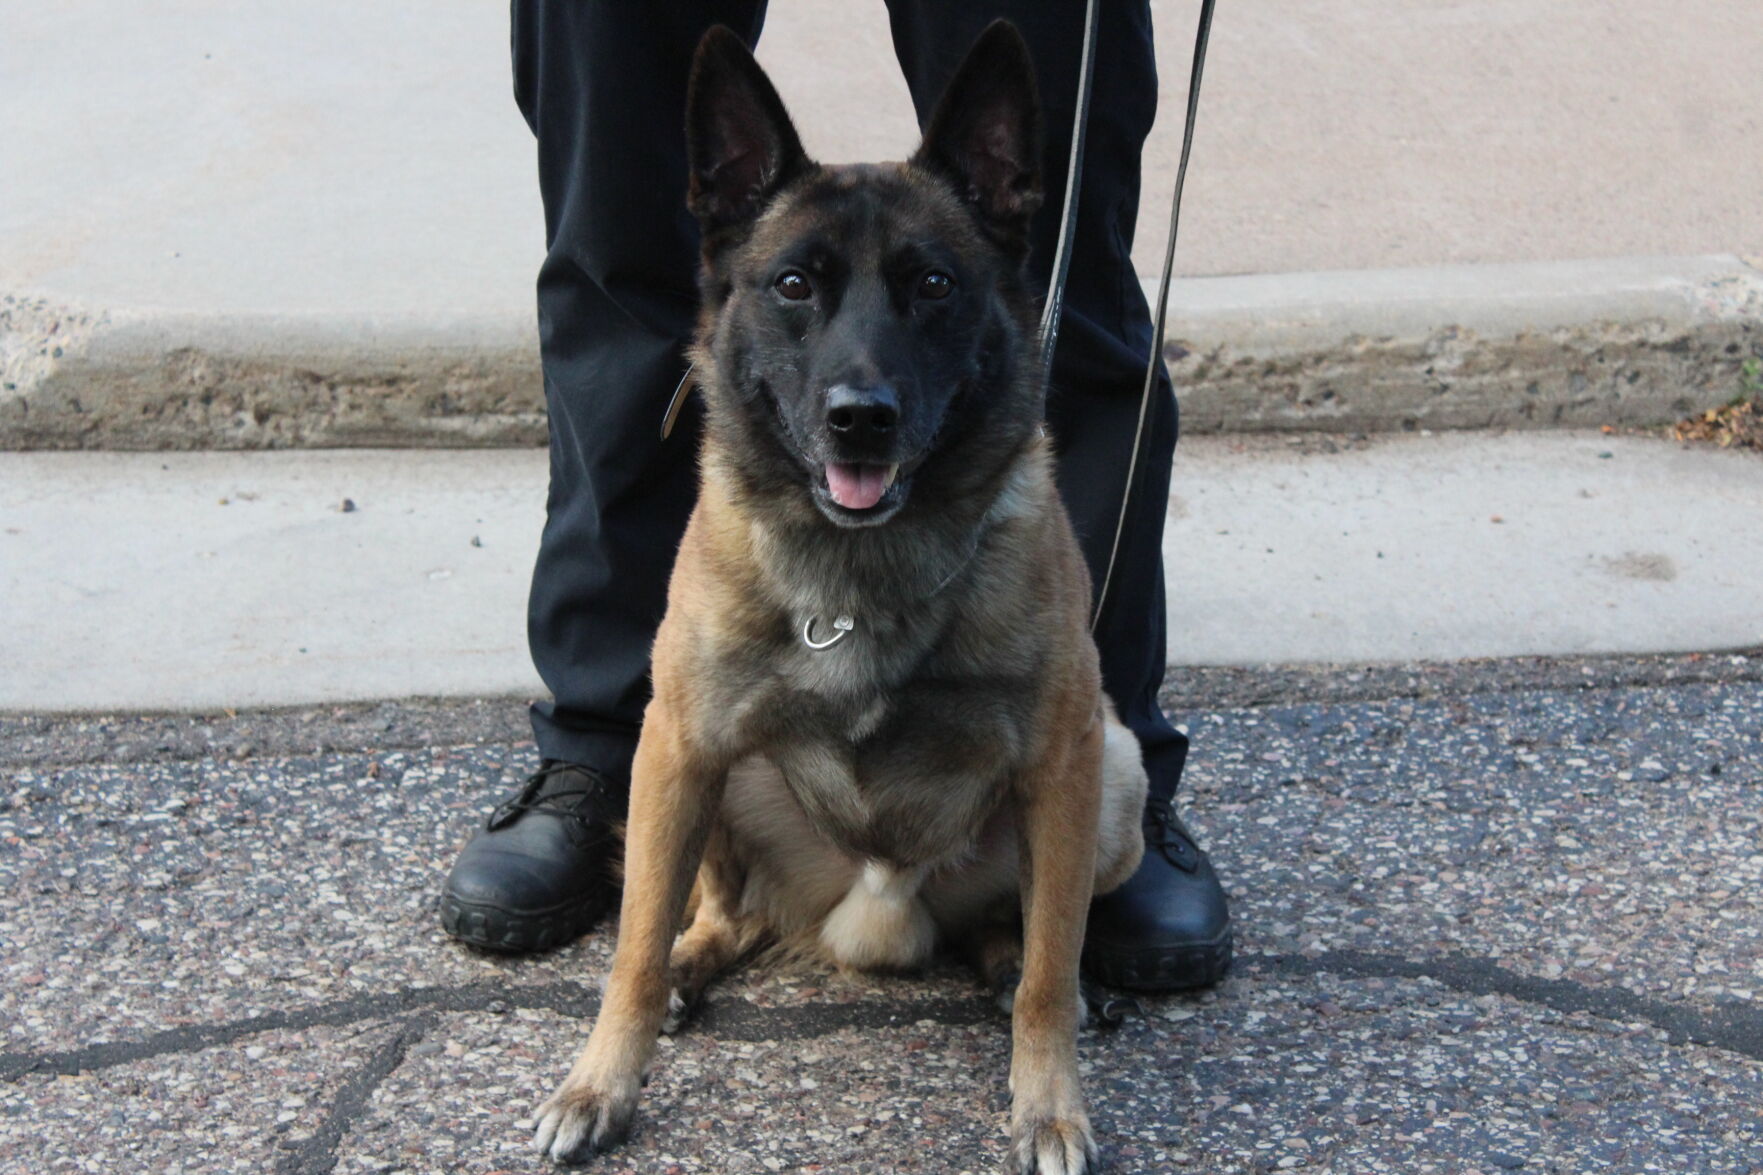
898,741
909,776
898,766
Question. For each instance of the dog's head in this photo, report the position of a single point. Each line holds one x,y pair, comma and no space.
868,325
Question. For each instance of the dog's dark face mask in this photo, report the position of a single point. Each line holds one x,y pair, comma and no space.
868,323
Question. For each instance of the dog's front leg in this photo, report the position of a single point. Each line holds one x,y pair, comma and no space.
674,795
1049,1126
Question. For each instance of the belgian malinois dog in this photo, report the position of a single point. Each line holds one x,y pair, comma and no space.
877,719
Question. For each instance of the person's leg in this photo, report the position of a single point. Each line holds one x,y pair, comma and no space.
1168,926
603,88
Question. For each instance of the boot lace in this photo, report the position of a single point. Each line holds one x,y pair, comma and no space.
1165,833
579,795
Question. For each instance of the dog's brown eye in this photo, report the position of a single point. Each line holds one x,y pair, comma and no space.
935,285
794,286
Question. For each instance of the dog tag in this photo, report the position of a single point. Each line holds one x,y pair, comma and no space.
842,625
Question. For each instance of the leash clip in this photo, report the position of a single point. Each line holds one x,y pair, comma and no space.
842,626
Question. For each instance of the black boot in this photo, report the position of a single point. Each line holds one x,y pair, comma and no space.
1168,927
537,876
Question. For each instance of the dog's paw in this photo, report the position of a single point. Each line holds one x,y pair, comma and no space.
578,1122
1098,1008
1004,989
679,1010
1053,1146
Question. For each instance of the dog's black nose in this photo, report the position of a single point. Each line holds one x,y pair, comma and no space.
862,415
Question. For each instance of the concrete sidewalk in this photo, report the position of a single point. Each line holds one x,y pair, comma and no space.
175,581
322,156
317,223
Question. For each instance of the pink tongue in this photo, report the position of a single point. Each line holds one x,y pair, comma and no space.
856,487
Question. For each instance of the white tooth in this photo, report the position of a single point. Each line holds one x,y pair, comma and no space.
888,480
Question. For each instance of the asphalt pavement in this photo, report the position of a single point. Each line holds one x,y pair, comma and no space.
1491,916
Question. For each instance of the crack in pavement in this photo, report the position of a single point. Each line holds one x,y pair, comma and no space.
317,1153
1734,1028
735,1020
569,998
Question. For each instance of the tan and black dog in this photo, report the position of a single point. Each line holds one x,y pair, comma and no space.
877,720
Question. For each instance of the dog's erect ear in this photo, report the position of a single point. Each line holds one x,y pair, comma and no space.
985,136
739,141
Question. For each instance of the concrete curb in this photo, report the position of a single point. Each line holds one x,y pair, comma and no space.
141,380
1629,341
1625,341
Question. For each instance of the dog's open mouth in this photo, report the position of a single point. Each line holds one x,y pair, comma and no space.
859,487
861,493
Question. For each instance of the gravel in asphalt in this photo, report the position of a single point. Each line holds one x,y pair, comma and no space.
1495,916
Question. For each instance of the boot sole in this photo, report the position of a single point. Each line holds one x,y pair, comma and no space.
492,928
1181,968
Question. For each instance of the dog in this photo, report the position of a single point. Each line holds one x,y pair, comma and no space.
877,721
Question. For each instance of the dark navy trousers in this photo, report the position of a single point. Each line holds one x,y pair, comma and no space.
602,83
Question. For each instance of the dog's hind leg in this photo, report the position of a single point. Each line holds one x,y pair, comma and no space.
716,937
997,953
995,947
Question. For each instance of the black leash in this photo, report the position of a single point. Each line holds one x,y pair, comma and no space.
1055,306
1062,258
